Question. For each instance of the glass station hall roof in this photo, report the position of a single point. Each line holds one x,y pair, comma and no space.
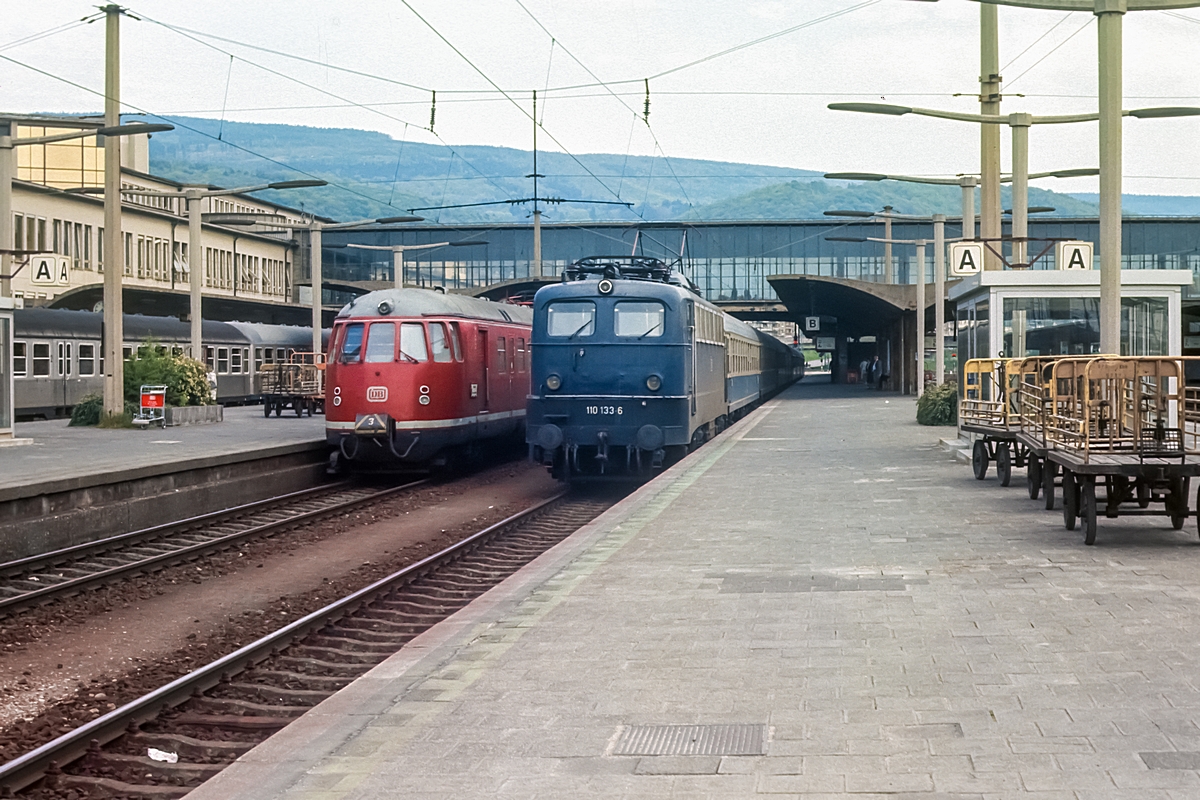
727,260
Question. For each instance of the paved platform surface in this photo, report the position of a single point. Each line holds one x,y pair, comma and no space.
824,570
61,453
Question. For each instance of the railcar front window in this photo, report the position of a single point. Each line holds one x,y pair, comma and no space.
352,342
571,319
412,342
381,343
438,343
639,319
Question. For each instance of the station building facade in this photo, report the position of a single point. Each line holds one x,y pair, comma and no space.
51,214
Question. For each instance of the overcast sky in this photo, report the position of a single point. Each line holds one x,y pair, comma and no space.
764,104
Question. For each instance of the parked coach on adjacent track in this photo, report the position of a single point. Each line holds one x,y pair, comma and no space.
57,358
631,368
416,376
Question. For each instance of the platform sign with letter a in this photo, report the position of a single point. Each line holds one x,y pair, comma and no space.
1073,255
49,270
966,258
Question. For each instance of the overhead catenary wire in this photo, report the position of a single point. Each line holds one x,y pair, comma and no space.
186,127
1053,50
315,88
517,105
57,29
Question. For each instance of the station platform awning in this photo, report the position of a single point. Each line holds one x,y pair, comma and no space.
862,308
517,290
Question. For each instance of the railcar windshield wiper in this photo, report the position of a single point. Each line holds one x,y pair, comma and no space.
410,358
657,325
579,330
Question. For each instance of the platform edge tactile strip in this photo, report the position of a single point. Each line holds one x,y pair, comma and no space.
692,740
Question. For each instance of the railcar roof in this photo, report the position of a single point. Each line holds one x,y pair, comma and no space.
426,303
621,288
277,335
65,323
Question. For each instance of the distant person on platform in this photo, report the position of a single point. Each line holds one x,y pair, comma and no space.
877,373
862,371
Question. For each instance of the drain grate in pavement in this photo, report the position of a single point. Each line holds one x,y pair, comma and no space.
1171,760
793,584
692,740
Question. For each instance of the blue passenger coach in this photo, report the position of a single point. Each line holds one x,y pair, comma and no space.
631,368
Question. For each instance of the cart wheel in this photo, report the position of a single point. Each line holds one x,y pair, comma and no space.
299,406
1177,503
979,459
1049,468
1004,463
1143,493
1070,499
278,409
1033,477
1087,510
266,409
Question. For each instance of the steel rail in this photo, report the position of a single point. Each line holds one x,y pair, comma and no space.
10,604
31,767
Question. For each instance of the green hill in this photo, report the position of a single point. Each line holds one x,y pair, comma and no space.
810,199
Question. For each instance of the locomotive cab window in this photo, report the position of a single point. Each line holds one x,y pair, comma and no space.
571,319
456,341
352,342
438,343
639,320
412,342
381,343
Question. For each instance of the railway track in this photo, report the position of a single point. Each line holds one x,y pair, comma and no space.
38,579
209,717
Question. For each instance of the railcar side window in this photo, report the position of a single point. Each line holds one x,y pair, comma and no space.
438,343
639,319
222,360
501,356
381,343
235,361
209,355
20,365
258,357
412,342
520,355
572,318
456,341
64,358
352,341
87,360
41,359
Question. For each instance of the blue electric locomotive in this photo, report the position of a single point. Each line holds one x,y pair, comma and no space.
631,368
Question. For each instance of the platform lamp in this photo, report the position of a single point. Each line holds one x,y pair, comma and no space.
193,194
968,183
939,281
1110,163
1109,14
398,251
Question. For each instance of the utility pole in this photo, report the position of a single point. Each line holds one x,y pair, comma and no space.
195,270
1109,18
537,212
114,250
939,293
888,272
920,340
989,135
314,249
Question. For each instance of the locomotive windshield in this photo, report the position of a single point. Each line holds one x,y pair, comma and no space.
381,343
571,319
352,343
412,342
638,319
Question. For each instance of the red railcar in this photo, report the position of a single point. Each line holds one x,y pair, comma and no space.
415,375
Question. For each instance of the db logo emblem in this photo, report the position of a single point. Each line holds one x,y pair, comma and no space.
376,394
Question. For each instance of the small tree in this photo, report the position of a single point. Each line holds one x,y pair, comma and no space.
939,405
185,378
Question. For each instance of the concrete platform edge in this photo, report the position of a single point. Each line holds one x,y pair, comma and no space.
308,744
12,493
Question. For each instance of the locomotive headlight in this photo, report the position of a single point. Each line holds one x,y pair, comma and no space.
553,382
654,383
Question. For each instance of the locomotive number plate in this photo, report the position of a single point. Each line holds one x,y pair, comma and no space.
604,410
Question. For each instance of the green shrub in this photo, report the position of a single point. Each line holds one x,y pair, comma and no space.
87,411
185,378
939,405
